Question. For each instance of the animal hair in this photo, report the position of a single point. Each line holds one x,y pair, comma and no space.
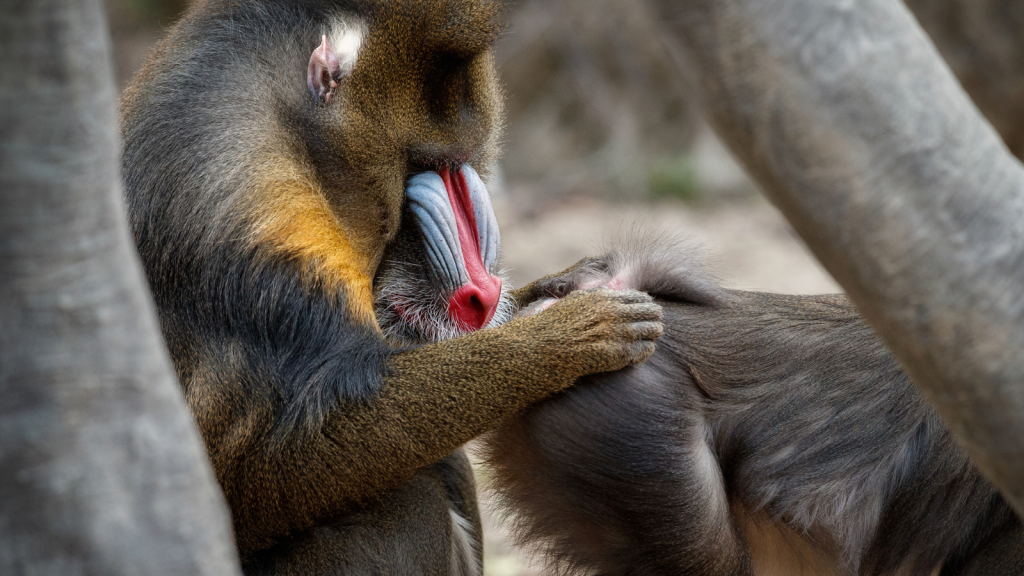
423,319
758,415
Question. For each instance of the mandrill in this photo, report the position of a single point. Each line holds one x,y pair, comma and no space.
768,435
303,181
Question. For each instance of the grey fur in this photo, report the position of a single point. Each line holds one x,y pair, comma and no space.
783,408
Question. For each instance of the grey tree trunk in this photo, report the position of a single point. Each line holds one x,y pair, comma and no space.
846,115
983,42
101,469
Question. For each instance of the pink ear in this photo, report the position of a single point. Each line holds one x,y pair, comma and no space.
324,72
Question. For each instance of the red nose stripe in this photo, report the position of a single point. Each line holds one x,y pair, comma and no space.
474,303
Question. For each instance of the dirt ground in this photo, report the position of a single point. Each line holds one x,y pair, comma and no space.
745,242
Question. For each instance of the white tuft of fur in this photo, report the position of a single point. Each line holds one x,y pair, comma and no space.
465,559
345,37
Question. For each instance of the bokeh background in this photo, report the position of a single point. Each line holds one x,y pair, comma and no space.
603,137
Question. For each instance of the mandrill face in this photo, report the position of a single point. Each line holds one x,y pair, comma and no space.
439,279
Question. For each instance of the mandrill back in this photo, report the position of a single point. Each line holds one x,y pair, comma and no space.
305,182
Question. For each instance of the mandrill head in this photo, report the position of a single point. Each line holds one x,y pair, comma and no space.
401,116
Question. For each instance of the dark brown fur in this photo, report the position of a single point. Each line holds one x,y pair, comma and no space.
768,434
268,223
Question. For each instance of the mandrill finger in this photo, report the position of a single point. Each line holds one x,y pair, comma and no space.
639,331
626,296
640,312
637,352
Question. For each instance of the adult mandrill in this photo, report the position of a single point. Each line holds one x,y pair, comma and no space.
769,435
302,182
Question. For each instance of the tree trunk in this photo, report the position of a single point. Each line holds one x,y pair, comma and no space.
846,115
101,469
983,42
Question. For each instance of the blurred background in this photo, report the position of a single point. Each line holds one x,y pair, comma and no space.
602,135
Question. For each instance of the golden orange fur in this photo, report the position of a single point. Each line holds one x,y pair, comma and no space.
296,221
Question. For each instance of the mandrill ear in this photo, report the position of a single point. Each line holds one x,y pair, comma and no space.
326,70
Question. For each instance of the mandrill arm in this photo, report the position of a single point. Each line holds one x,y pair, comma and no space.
433,399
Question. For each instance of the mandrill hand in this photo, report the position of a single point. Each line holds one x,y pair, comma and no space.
598,330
